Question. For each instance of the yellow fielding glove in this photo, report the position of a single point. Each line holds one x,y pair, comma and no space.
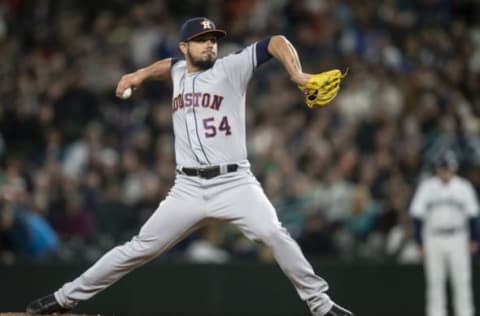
322,88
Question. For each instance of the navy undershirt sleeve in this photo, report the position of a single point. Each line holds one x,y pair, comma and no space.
417,231
261,50
473,225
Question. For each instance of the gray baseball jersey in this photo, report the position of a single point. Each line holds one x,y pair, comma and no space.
208,110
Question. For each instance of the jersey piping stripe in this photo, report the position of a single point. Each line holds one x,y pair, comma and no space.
254,49
186,124
196,126
190,143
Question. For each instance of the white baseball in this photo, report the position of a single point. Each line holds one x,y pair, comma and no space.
127,93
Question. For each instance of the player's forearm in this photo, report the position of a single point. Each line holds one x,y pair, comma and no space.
156,71
159,70
281,48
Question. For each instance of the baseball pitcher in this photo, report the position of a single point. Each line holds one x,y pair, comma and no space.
445,210
213,174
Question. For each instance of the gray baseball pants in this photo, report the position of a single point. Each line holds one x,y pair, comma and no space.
236,197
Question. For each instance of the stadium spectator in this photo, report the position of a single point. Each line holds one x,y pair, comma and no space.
411,92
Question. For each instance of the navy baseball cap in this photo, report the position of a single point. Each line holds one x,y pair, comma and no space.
447,160
198,26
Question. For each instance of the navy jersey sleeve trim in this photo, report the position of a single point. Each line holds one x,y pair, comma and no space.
261,50
174,60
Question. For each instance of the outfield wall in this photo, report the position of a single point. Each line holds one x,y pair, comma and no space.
246,289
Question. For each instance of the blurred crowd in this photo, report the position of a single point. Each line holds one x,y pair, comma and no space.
80,170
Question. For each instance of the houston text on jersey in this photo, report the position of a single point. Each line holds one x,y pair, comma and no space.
197,99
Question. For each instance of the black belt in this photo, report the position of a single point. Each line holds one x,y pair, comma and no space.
208,172
447,231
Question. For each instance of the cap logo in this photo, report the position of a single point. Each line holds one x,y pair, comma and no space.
206,24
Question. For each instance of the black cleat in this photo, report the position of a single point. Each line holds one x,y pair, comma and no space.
338,311
46,305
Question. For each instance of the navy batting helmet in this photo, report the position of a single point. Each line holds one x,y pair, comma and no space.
447,160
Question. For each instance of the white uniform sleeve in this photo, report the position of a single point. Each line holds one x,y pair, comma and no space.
418,207
471,201
239,67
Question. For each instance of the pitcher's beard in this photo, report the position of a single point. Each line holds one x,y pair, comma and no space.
201,64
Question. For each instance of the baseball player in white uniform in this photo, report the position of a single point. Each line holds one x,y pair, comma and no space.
213,175
445,210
